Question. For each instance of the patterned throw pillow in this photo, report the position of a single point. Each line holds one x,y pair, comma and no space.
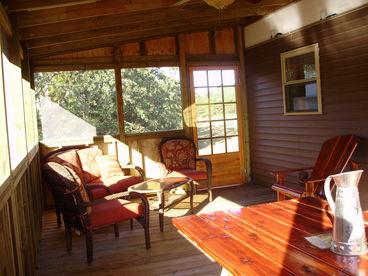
109,166
90,169
78,181
178,154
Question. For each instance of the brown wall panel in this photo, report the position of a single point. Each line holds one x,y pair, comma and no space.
279,141
224,41
161,46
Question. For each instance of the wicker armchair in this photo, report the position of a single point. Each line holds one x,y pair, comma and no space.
85,215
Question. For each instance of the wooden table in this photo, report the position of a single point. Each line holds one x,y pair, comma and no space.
268,239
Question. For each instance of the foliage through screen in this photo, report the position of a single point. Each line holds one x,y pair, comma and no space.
89,96
152,99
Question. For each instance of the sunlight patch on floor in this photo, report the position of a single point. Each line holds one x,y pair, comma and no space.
219,204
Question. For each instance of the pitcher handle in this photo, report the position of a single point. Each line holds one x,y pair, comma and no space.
327,188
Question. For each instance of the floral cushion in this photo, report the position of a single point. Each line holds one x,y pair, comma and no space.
178,154
109,166
90,168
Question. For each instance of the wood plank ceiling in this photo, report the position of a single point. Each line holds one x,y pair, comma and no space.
49,27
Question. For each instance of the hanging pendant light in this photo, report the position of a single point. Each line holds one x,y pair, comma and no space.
219,4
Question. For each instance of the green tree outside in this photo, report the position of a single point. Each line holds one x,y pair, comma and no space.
152,98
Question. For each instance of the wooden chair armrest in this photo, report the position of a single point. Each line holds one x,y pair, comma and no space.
207,163
287,191
137,168
291,170
311,180
280,175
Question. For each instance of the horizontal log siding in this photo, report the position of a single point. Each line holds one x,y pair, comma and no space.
279,141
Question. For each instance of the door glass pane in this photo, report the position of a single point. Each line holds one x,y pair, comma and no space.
232,144
204,147
218,129
215,95
228,77
202,113
231,127
203,130
217,112
219,145
201,95
200,78
214,78
230,111
229,94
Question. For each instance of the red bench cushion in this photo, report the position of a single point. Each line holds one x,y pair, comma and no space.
116,184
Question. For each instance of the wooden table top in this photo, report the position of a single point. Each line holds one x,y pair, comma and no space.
268,239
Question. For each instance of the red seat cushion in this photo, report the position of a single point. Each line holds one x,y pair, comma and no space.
115,183
114,211
194,174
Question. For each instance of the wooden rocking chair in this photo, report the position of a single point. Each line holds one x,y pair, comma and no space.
333,157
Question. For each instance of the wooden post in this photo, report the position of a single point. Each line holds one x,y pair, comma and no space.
186,100
119,93
243,100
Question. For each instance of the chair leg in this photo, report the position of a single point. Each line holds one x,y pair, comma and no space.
89,246
131,224
68,236
209,189
58,216
280,196
116,229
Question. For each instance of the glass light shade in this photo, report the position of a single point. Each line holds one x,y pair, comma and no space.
219,4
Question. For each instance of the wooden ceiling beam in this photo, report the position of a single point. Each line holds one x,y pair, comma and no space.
128,37
34,5
116,22
5,22
147,25
100,8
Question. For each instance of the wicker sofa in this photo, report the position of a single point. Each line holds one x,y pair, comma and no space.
100,174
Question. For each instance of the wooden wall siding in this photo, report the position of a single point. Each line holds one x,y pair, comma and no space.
279,141
99,52
7,264
224,41
197,43
130,49
161,47
20,221
211,47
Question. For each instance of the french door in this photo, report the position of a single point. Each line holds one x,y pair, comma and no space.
216,111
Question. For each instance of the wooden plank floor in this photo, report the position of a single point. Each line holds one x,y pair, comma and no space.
170,253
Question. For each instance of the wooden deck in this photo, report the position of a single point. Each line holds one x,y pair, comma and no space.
170,253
